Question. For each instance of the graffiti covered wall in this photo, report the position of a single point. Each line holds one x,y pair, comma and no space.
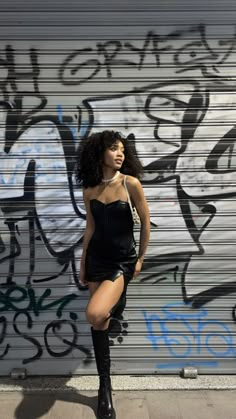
175,93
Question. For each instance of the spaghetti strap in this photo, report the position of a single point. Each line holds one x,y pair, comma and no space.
127,192
134,213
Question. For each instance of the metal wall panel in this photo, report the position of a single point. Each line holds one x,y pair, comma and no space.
165,72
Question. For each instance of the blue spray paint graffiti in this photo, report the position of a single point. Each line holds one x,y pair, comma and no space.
67,121
196,338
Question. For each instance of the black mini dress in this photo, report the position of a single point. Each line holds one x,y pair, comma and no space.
111,250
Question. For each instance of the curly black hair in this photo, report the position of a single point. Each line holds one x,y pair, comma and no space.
89,159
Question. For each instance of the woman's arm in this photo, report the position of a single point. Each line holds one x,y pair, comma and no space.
138,198
89,229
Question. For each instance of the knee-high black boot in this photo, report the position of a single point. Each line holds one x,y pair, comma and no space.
105,408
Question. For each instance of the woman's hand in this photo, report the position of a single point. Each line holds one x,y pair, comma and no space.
138,267
82,277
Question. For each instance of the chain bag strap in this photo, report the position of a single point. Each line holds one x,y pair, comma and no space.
135,216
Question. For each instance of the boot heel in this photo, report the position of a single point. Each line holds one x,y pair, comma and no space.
105,408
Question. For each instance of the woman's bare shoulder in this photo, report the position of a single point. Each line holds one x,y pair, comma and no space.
132,181
87,192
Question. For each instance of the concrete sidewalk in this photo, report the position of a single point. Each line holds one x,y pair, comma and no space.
175,404
119,382
146,397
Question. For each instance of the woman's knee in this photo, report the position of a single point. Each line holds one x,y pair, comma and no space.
96,317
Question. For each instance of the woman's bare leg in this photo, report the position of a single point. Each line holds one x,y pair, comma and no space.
103,298
93,286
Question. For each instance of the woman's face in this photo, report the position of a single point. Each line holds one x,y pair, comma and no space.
114,156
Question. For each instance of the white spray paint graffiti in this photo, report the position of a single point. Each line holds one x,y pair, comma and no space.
184,129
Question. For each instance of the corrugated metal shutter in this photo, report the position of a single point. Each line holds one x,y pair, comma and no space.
164,71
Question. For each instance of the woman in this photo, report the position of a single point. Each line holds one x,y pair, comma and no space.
106,161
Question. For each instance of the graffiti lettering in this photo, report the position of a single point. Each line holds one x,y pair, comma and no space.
189,56
192,340
28,337
25,303
13,75
172,95
13,297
